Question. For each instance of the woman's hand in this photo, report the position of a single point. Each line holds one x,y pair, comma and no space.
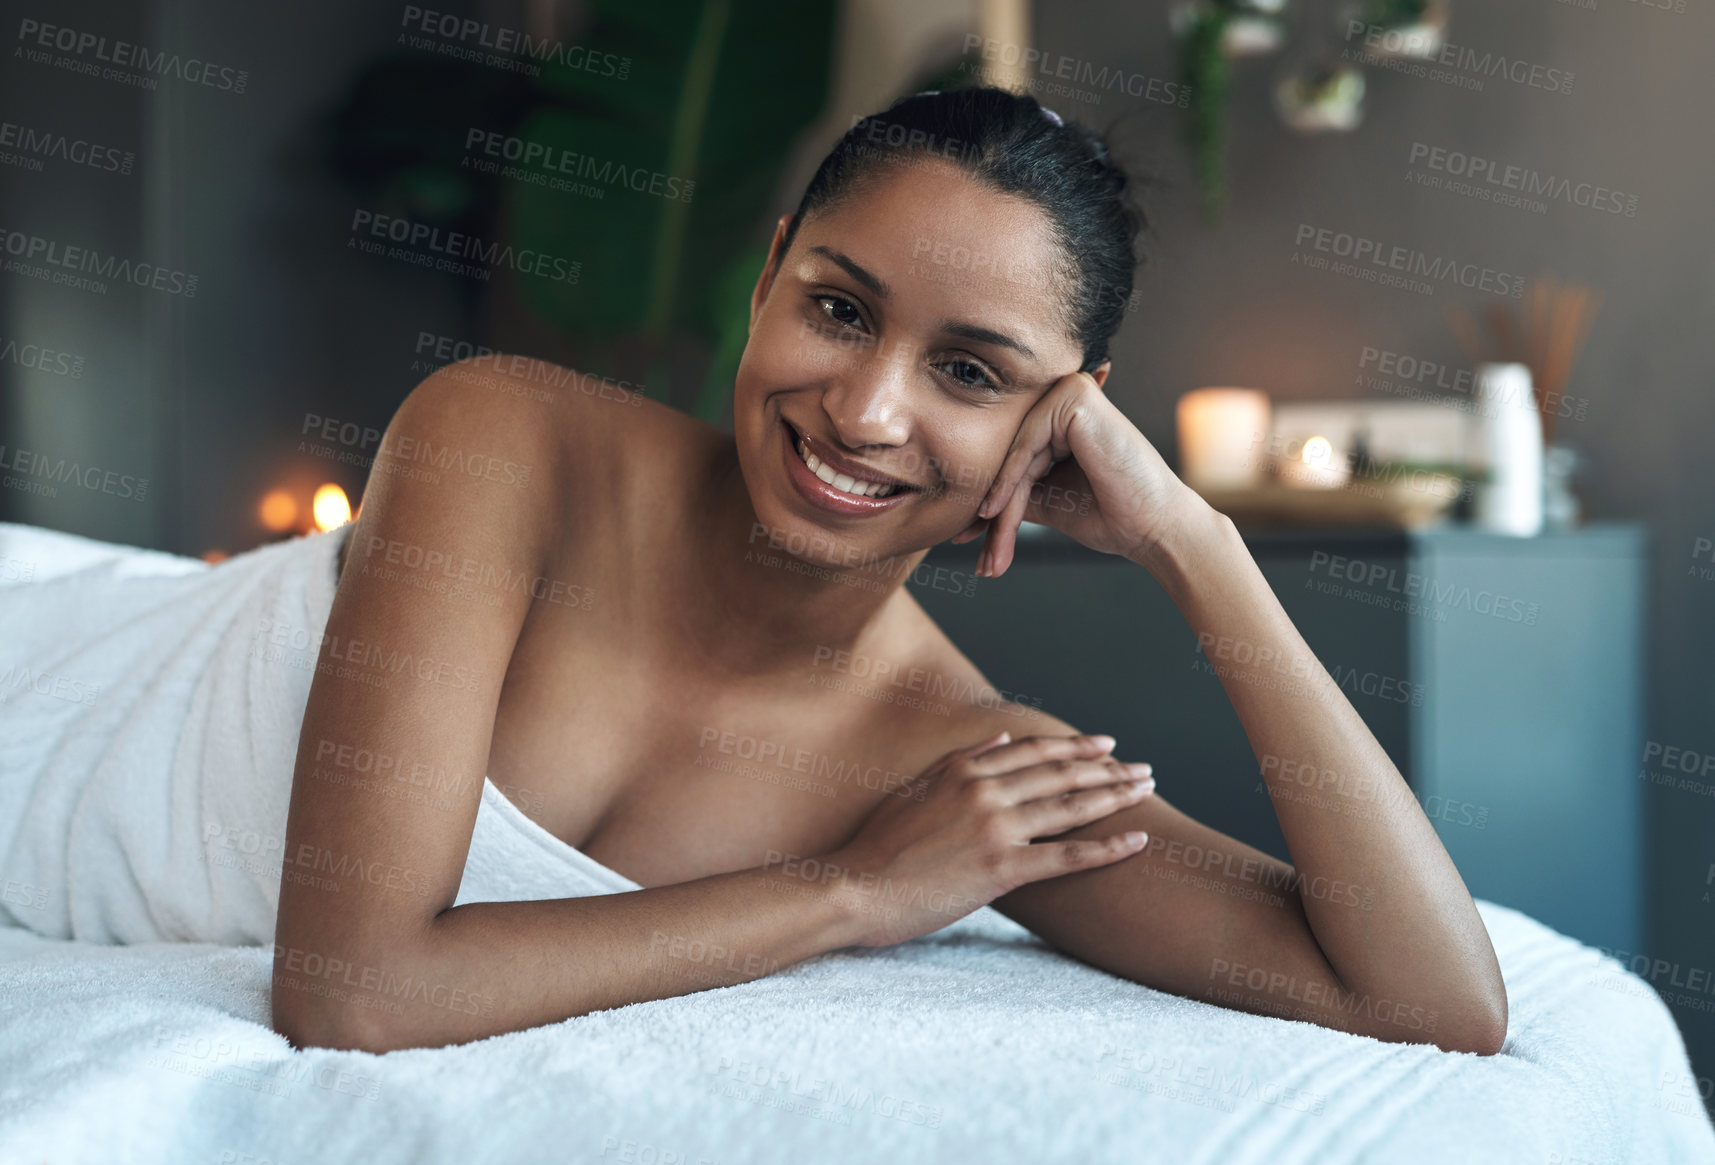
916,865
1077,464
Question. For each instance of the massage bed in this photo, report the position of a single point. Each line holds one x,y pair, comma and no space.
975,1043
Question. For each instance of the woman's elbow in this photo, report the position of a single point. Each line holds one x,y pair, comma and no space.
328,1024
1478,1028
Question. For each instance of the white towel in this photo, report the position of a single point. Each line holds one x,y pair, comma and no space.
975,1043
150,707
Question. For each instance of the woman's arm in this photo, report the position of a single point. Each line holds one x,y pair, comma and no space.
1377,931
1422,942
394,750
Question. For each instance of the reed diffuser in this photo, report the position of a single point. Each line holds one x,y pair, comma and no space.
1544,333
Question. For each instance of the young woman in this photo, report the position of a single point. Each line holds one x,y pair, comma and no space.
657,639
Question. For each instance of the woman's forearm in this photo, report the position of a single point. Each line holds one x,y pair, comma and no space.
484,968
1357,820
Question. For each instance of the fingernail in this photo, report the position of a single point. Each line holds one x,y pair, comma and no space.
1104,741
1141,770
1138,788
1136,837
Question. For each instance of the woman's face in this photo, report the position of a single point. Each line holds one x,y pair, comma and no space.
895,350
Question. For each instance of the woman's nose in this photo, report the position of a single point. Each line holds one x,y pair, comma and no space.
870,403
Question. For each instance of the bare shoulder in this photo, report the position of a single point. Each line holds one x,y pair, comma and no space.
543,432
967,706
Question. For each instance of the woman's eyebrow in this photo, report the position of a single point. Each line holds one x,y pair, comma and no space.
879,288
987,336
850,266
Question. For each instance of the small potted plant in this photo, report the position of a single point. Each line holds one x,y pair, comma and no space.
1415,29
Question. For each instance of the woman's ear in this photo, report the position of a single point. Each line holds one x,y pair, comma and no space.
776,251
1099,373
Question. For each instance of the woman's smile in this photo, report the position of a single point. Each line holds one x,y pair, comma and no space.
834,483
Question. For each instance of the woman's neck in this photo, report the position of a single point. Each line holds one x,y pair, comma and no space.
755,607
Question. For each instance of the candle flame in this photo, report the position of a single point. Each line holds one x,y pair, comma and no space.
331,509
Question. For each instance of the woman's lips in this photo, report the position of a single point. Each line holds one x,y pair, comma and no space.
824,496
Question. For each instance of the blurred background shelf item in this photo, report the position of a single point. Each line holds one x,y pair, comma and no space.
1412,499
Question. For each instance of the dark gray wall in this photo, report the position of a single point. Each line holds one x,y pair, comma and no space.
1228,306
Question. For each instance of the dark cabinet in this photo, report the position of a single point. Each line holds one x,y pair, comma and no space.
1503,676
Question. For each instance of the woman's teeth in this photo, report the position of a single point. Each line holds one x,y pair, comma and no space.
850,485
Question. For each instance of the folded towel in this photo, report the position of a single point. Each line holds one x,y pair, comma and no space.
150,707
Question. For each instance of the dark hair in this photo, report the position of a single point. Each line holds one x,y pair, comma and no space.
1010,143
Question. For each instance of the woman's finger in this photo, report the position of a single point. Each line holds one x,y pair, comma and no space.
1037,438
1034,750
1055,779
976,529
1003,535
1051,859
1049,816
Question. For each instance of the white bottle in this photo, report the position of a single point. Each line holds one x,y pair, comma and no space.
1509,443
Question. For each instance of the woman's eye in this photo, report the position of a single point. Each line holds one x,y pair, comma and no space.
841,311
970,375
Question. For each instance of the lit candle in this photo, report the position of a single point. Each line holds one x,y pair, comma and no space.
1315,464
1223,433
